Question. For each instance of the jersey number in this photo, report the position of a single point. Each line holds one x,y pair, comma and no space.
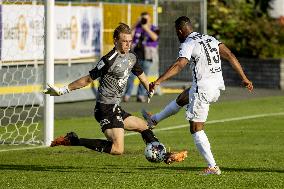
210,52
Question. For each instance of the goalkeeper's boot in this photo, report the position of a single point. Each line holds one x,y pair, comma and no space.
175,156
147,116
212,171
71,139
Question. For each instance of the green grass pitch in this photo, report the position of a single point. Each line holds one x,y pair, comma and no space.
249,151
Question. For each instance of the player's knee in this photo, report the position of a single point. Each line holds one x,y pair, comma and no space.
117,150
183,98
196,126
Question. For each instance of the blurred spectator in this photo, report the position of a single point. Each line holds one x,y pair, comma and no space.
145,45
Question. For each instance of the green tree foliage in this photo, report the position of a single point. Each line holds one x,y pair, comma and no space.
239,24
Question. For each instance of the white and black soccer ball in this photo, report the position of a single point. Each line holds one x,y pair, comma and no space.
155,152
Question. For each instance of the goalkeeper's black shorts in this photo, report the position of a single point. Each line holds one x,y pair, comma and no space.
110,116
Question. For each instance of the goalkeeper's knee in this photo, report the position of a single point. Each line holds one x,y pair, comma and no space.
117,150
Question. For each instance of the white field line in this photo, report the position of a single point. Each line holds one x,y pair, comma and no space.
27,148
216,121
178,127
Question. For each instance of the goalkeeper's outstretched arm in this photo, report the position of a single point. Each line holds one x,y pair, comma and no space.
79,83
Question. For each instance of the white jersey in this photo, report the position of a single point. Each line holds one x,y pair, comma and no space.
203,51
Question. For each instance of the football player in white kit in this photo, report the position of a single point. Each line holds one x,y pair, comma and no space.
204,53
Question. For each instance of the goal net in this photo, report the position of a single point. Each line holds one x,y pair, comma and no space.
21,71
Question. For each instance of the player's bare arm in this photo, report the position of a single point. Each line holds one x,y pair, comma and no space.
144,80
229,56
80,83
172,70
56,91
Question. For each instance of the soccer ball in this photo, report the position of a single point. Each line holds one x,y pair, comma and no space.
155,152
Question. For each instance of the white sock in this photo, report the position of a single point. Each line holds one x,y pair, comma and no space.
171,109
202,143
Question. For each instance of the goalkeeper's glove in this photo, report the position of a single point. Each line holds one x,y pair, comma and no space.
55,91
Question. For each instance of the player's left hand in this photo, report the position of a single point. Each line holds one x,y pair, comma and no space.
55,91
151,91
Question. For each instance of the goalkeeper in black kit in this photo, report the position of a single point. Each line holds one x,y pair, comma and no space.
113,69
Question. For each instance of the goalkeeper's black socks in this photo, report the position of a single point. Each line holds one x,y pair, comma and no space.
94,144
148,136
98,145
73,138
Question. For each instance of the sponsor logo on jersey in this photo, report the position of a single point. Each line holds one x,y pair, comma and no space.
104,122
119,118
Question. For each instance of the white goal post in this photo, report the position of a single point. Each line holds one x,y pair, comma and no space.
49,72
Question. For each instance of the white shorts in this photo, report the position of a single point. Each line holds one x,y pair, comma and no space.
198,106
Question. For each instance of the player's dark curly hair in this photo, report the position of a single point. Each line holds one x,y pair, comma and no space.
121,28
182,21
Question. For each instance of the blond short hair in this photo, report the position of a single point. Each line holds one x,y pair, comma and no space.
121,28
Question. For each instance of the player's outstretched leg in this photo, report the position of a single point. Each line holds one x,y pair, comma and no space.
152,120
72,139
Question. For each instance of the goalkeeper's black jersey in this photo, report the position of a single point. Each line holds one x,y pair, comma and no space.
113,70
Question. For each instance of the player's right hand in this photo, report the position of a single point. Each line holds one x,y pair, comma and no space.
248,84
55,91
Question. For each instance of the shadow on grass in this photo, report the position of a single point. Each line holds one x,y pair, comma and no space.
129,168
268,170
38,168
224,169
